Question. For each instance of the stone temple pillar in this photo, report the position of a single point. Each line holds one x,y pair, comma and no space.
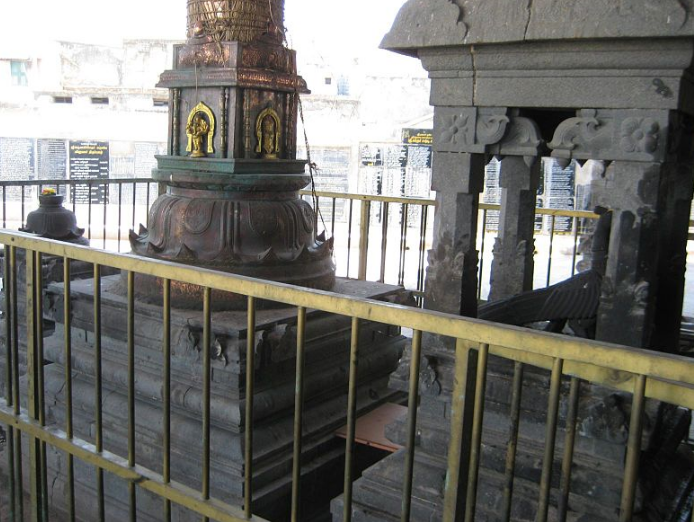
512,268
452,269
574,80
648,187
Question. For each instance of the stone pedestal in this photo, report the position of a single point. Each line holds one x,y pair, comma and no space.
326,376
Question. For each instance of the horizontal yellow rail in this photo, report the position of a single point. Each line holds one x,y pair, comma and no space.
599,362
432,202
118,466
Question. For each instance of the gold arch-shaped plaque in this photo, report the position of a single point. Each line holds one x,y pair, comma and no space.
260,149
204,109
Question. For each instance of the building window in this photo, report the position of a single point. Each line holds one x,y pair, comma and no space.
343,86
62,99
160,103
19,73
328,81
99,101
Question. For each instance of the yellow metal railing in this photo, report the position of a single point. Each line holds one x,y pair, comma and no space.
643,373
373,234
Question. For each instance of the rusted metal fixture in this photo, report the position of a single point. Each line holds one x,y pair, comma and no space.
232,201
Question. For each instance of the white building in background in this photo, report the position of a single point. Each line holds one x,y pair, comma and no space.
63,95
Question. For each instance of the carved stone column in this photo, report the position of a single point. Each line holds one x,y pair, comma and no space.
452,271
648,187
472,133
627,304
512,267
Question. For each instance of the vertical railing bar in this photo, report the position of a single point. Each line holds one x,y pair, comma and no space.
316,212
631,469
4,207
403,244
31,377
166,392
16,399
67,321
351,420
550,440
575,247
463,397
364,227
384,240
422,250
250,391
512,440
9,376
41,383
120,212
98,390
134,204
332,225
22,196
569,443
298,412
349,234
412,402
206,374
551,248
105,205
476,444
132,494
484,234
89,209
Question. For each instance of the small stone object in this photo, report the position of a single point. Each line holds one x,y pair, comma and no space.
53,221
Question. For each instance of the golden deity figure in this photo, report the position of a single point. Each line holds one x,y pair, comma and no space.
268,134
199,129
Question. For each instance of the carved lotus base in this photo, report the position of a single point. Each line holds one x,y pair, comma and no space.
243,233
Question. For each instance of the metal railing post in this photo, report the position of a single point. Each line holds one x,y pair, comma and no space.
459,447
364,238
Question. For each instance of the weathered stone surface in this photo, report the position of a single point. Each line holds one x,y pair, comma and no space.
597,80
628,74
327,339
432,23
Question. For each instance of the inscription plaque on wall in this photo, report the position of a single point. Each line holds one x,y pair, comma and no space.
89,160
560,192
331,176
417,137
51,160
17,160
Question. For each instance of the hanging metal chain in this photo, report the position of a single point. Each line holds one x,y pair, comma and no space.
312,167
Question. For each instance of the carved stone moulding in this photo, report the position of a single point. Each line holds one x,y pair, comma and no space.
613,135
494,130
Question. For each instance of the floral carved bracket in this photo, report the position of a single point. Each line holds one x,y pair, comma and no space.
613,135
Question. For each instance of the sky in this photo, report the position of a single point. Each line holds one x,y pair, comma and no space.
342,33
328,24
